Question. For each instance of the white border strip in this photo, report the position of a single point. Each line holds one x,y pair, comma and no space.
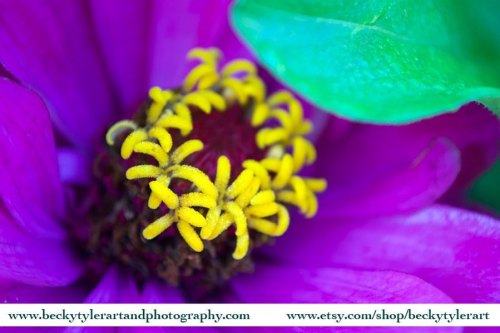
144,315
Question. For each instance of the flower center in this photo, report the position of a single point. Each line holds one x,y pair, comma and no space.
201,176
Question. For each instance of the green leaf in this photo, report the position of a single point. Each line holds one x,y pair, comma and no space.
381,61
486,190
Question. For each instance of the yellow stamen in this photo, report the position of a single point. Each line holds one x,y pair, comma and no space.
157,227
257,197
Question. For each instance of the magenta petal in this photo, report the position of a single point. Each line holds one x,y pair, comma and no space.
123,29
410,187
50,46
40,262
178,26
157,292
31,189
455,250
14,292
289,284
367,154
75,168
112,286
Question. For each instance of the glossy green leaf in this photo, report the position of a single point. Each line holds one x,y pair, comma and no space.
486,190
382,61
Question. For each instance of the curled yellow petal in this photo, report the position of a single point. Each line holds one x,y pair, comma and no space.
260,114
186,149
316,184
143,171
190,236
242,244
244,198
283,221
197,199
208,55
284,173
198,100
225,221
223,174
174,121
239,66
196,74
157,227
192,216
260,172
263,210
153,201
237,88
268,136
197,177
214,99
240,183
301,192
161,189
131,140
152,149
213,216
117,128
163,137
263,197
239,217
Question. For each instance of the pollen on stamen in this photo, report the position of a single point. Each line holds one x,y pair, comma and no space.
207,172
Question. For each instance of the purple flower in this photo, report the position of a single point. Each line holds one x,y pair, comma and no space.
379,235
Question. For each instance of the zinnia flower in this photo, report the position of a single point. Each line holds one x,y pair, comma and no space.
379,235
